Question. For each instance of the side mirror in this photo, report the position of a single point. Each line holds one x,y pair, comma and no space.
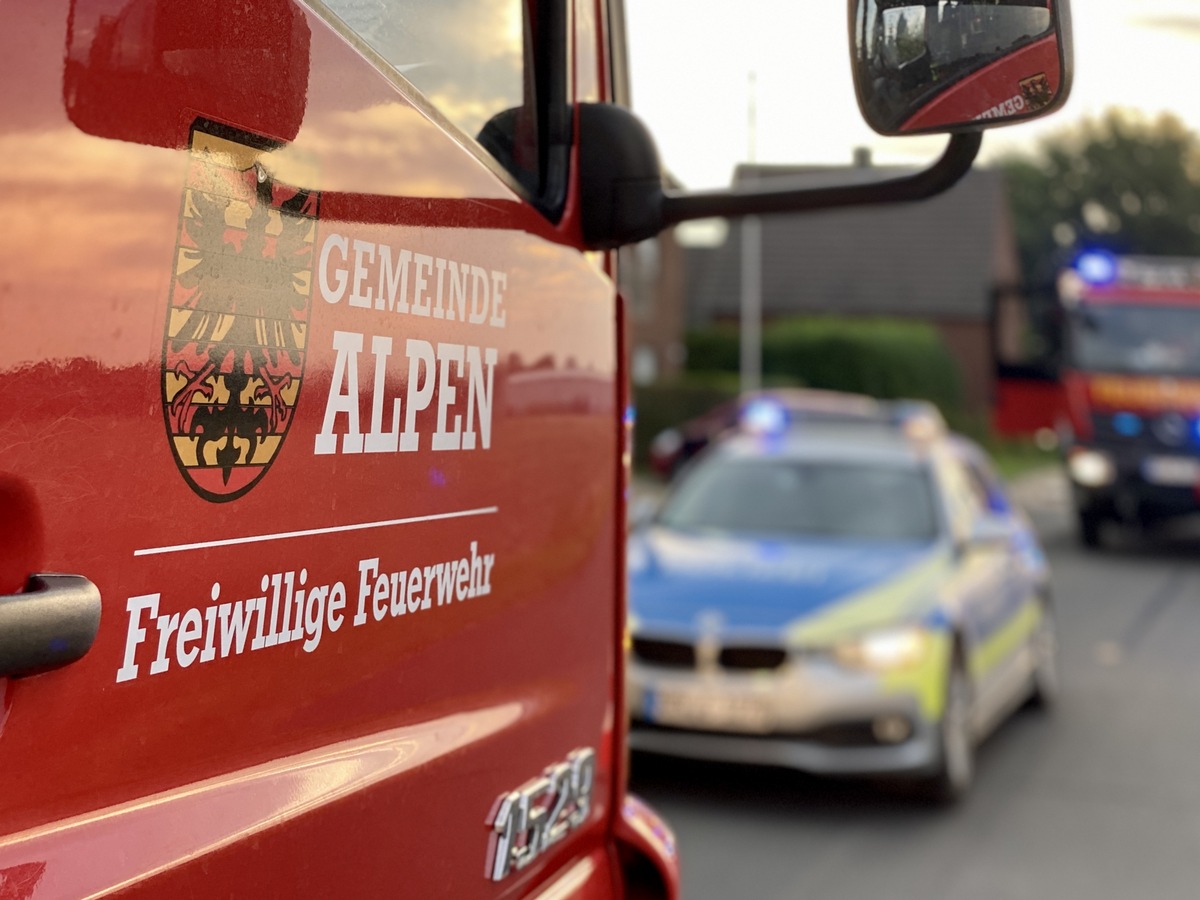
246,66
990,531
940,65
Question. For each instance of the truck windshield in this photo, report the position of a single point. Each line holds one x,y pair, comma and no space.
1143,339
827,499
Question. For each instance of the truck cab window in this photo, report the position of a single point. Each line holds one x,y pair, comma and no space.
484,67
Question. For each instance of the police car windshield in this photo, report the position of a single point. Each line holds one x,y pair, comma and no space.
805,498
1136,338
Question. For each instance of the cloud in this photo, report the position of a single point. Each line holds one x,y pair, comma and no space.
1180,24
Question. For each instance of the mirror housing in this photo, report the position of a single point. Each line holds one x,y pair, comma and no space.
624,199
246,67
938,65
620,177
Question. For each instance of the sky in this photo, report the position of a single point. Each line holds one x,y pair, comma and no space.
693,63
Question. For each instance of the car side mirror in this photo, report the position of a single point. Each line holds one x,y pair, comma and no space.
940,65
990,531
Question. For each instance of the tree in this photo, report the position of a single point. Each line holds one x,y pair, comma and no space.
1122,182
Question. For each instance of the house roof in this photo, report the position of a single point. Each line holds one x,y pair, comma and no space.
937,258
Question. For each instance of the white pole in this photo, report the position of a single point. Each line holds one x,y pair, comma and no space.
751,307
751,318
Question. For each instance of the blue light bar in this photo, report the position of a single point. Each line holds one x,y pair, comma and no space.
1127,424
763,416
1096,267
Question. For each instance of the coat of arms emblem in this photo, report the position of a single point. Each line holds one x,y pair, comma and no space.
237,324
1037,91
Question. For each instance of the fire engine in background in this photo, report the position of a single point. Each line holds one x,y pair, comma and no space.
1121,387
314,446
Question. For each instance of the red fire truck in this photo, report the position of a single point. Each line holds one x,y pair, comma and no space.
311,581
1120,384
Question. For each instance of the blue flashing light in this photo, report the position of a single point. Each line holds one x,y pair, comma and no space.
764,416
1196,430
1127,424
1097,268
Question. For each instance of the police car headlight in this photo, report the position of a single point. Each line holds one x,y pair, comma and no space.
893,648
1091,468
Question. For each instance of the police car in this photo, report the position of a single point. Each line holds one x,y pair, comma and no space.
852,598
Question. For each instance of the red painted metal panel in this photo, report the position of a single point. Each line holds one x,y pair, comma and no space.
327,645
1025,405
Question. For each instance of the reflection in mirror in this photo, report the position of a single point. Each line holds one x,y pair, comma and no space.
930,65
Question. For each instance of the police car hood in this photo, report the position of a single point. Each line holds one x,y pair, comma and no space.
768,585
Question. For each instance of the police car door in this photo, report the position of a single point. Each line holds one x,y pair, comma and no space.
304,381
990,600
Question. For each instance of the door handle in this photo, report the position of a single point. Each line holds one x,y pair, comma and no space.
53,623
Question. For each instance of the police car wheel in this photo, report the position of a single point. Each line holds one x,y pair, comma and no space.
955,767
1045,651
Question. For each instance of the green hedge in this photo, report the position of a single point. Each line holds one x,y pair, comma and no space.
886,358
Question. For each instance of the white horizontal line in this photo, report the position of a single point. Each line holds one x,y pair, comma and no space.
285,535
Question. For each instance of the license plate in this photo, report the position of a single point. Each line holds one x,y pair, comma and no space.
709,710
1176,471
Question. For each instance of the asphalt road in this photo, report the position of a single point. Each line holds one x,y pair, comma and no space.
1098,798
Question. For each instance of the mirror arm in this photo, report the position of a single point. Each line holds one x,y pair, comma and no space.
621,185
953,164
